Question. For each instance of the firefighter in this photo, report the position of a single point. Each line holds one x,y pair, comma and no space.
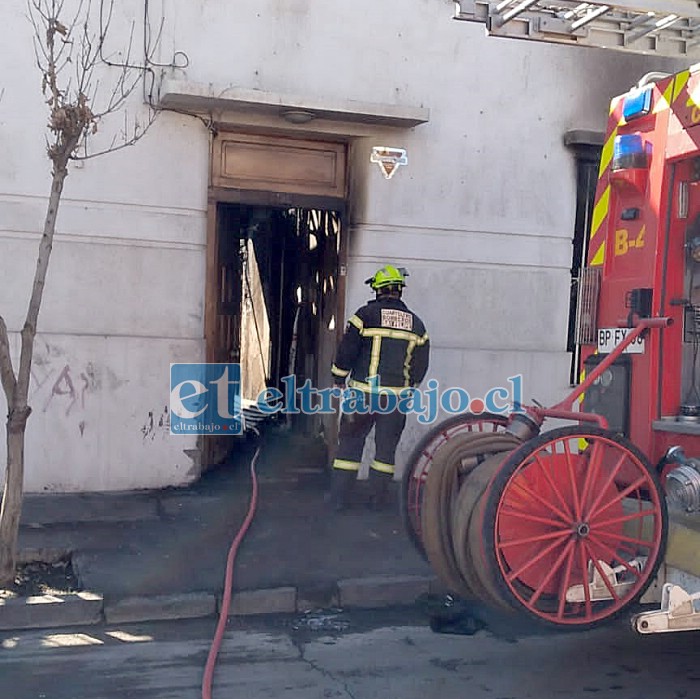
384,350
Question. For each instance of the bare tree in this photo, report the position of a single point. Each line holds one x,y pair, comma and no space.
82,87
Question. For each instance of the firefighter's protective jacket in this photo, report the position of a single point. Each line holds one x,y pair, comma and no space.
386,340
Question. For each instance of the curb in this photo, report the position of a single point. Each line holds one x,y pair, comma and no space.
160,608
87,608
50,611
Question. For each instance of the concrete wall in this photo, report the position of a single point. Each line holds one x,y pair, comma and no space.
482,216
124,295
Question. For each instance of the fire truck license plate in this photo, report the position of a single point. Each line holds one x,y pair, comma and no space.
609,338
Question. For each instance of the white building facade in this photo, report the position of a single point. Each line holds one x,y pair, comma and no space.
482,215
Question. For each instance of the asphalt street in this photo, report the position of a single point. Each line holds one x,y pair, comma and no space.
362,655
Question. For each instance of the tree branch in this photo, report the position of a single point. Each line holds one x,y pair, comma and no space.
140,131
7,373
42,264
73,119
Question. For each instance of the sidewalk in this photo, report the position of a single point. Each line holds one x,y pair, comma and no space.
162,554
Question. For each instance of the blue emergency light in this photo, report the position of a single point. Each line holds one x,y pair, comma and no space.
638,103
630,152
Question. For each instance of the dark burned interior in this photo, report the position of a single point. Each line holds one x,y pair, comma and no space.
278,302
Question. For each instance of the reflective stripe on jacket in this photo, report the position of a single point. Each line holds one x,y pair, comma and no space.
384,339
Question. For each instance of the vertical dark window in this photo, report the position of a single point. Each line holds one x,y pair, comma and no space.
586,147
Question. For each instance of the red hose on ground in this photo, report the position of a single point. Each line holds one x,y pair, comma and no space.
226,601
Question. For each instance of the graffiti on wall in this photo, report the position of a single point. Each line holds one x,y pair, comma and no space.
69,389
156,425
65,385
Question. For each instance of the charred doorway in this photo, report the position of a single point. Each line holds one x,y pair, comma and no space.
278,302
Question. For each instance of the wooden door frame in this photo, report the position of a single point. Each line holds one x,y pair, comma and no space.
226,188
210,285
225,196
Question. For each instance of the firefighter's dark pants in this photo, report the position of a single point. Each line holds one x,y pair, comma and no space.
354,429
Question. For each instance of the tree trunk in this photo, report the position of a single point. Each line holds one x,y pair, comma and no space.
12,497
17,393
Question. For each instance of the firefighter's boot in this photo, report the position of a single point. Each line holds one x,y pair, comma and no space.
380,489
341,485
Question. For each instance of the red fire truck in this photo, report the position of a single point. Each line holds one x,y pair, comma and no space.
577,524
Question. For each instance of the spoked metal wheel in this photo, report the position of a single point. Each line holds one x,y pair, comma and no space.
451,470
421,458
572,531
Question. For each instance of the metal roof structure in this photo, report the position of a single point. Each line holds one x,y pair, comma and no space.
669,28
